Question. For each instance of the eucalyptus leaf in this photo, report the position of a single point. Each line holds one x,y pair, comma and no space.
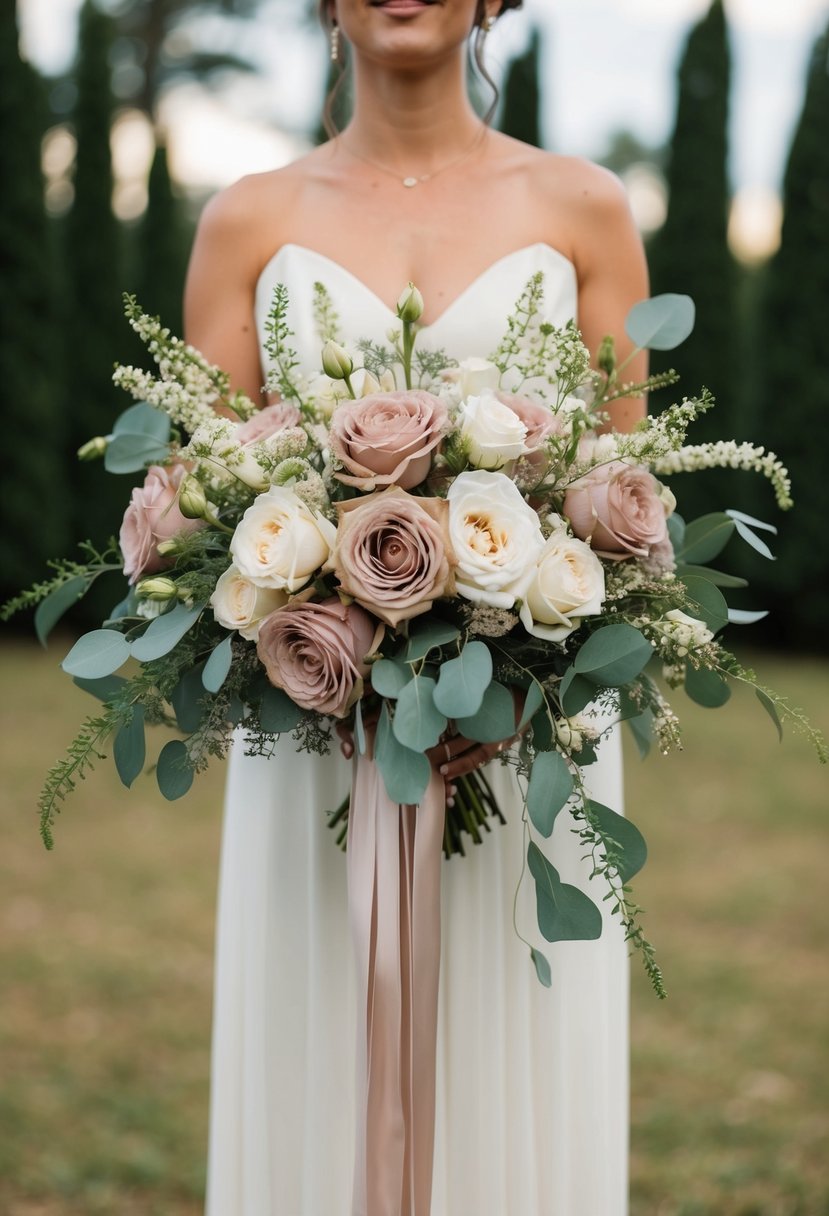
359,728
575,692
771,709
542,967
128,606
551,784
174,771
463,681
631,847
494,721
104,688
742,616
613,655
532,703
718,577
405,772
706,537
277,712
187,699
543,737
565,913
705,687
706,602
165,632
143,419
218,665
130,453
418,724
97,654
662,322
641,727
750,538
129,749
389,676
676,531
57,602
425,636
750,520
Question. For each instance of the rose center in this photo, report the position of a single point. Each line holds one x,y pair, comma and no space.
482,537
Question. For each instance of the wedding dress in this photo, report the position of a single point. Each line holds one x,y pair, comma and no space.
532,1082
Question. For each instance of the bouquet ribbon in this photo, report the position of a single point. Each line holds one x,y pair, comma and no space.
394,866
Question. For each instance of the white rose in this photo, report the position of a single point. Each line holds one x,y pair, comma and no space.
566,585
279,542
496,536
476,376
238,603
493,431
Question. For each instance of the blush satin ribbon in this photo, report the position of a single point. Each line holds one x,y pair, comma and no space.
394,864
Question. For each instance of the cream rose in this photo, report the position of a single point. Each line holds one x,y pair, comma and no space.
239,604
494,432
393,553
496,537
279,542
153,516
387,438
617,508
476,376
317,653
566,586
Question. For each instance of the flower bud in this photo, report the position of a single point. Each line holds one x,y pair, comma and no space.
336,362
159,589
410,304
94,449
606,358
192,500
168,548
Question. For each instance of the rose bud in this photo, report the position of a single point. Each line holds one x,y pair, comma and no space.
336,362
158,589
606,358
192,500
410,305
94,449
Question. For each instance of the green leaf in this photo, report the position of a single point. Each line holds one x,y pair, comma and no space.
565,913
97,654
532,703
129,749
165,632
676,531
750,520
426,636
143,419
417,723
718,577
771,709
463,681
277,712
130,453
575,692
551,784
187,700
57,602
405,773
613,655
741,616
706,537
359,728
218,665
631,847
706,602
756,543
174,772
104,688
706,687
662,322
543,738
388,676
494,721
641,727
542,967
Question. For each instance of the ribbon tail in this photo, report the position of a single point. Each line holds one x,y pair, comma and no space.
394,864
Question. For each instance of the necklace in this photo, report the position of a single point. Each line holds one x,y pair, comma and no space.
413,179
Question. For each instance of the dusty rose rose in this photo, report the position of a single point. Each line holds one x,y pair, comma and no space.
393,553
618,509
317,653
387,438
539,419
266,422
153,516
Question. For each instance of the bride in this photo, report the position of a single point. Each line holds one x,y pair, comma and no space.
532,1082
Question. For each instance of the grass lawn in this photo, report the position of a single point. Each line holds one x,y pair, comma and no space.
106,953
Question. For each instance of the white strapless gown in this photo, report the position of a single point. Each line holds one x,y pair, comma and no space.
532,1083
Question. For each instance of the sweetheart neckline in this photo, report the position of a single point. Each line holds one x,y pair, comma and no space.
476,282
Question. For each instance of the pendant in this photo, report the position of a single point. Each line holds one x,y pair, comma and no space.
410,181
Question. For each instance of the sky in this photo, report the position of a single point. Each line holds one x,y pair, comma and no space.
608,65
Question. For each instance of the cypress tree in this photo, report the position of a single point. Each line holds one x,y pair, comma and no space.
792,394
33,504
97,334
161,247
521,107
690,252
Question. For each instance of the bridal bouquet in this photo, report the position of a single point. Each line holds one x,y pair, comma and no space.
455,546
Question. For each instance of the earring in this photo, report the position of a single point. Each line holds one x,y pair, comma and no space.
487,23
335,43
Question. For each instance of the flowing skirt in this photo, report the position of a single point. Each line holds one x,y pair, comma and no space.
532,1083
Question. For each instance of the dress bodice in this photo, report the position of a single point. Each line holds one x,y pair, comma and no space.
472,325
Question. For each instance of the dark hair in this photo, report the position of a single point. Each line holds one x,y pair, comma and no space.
477,49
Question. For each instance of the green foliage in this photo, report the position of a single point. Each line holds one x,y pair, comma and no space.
521,104
161,246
